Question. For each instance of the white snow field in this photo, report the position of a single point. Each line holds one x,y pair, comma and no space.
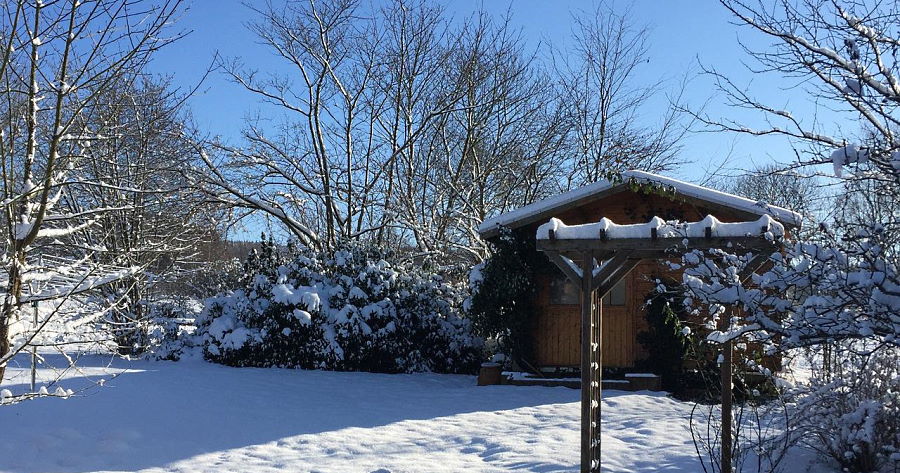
193,416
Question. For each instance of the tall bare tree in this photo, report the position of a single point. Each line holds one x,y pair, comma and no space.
501,146
153,217
599,78
57,58
402,128
320,171
843,54
407,130
769,184
836,293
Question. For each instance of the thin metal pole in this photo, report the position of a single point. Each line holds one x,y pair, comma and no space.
34,349
34,305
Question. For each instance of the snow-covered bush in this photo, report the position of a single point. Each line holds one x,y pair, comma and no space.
209,278
853,414
351,309
845,287
840,293
170,326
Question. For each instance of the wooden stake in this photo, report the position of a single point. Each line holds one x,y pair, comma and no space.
726,373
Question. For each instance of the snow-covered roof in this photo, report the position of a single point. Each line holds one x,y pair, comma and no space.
539,210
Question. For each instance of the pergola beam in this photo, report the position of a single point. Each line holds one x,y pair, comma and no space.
647,248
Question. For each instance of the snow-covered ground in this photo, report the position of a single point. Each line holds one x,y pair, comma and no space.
198,417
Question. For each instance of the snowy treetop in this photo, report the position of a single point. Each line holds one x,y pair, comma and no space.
664,229
640,177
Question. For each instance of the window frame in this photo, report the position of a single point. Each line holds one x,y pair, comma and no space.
621,289
561,287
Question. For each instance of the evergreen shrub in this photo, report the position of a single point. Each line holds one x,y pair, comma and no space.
352,309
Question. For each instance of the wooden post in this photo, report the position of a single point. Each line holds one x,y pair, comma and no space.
726,374
588,421
596,376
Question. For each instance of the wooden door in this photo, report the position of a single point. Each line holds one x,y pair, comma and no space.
618,330
558,336
557,329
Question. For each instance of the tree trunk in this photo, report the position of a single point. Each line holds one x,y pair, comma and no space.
10,305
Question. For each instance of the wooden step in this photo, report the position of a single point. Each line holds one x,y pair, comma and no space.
632,381
574,383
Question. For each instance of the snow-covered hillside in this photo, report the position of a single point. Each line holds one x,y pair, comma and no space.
199,417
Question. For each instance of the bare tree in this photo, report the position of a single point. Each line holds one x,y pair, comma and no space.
320,172
771,185
843,54
407,130
599,80
402,129
153,217
501,147
834,293
56,59
862,202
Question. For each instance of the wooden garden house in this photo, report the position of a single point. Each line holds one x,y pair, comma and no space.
635,199
603,245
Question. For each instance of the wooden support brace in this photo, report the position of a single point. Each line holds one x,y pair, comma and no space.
617,276
610,266
565,265
754,264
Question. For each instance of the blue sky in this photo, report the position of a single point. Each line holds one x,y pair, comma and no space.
682,32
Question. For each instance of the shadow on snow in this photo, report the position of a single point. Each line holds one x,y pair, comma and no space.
194,408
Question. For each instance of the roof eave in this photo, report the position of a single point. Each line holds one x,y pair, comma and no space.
598,190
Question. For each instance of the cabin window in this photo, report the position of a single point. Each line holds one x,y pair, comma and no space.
616,295
563,291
